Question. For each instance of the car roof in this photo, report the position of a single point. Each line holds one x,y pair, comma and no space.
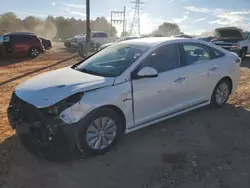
20,33
98,32
151,41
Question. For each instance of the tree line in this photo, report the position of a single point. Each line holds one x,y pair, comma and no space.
62,28
52,27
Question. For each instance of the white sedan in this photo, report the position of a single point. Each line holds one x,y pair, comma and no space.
125,87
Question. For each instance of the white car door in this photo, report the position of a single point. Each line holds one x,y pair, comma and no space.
198,63
161,96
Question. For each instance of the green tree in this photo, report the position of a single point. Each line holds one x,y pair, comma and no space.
9,22
167,29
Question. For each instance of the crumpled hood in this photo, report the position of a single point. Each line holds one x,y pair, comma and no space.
49,88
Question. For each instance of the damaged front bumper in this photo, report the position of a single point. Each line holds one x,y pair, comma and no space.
46,136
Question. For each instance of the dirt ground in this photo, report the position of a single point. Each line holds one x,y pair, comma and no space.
206,148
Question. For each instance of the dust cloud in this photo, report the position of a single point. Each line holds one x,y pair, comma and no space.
47,30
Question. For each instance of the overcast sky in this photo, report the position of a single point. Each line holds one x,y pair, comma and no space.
193,16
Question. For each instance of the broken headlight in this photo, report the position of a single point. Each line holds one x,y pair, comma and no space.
59,107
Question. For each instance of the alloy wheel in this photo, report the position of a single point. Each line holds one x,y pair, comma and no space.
101,133
34,52
222,93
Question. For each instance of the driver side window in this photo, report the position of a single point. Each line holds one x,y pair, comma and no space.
163,59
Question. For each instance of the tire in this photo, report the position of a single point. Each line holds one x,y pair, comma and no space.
34,52
243,53
91,142
223,93
81,53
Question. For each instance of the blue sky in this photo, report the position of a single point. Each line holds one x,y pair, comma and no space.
193,16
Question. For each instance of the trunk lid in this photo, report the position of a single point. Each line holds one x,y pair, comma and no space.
230,34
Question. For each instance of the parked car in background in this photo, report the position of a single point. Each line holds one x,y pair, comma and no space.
156,35
207,39
1,46
76,40
128,86
233,39
22,44
98,38
182,36
67,43
46,43
119,40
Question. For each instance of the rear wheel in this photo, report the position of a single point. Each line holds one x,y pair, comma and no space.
243,53
100,131
221,93
34,52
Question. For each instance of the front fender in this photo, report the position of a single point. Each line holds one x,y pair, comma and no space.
119,96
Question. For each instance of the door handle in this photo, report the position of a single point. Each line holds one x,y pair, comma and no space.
180,79
214,69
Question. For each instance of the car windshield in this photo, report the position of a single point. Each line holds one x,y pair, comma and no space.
113,61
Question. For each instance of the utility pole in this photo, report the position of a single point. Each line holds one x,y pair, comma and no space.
124,21
136,24
84,47
118,17
88,30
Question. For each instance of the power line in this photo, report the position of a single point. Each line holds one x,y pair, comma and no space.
120,20
136,26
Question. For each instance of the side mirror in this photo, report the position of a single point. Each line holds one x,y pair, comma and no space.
147,72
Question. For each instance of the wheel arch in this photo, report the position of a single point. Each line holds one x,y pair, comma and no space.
33,47
229,80
245,47
117,110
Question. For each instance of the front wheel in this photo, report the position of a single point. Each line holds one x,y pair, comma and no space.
80,53
221,93
100,131
34,52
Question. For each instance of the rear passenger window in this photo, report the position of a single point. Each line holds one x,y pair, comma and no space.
216,53
163,59
95,35
21,38
104,35
100,35
195,53
27,38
